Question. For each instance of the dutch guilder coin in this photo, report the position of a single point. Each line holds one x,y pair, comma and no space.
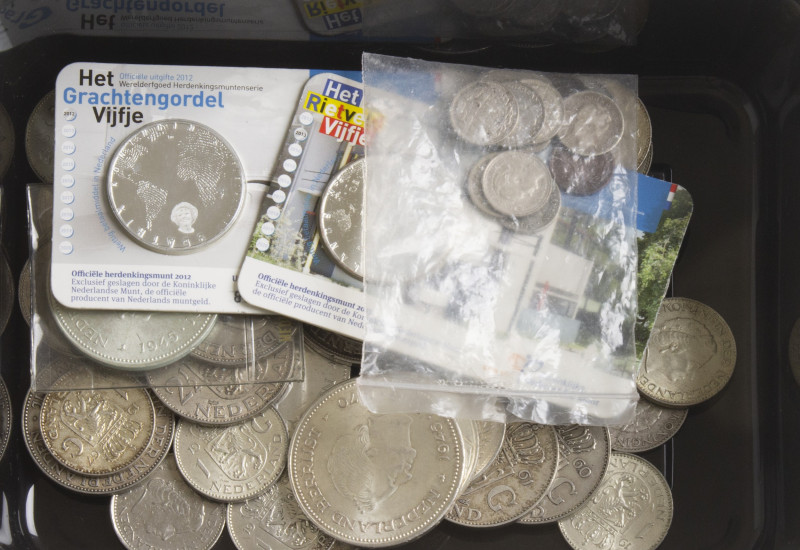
475,187
593,123
132,340
530,225
333,346
274,521
516,183
96,432
97,485
490,440
632,508
651,426
483,113
644,136
237,339
373,479
583,455
5,418
341,216
644,167
690,356
553,108
24,291
40,137
515,482
175,186
6,291
580,175
164,513
530,115
232,463
6,141
217,395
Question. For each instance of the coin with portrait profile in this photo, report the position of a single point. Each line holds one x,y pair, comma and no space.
690,356
175,186
355,473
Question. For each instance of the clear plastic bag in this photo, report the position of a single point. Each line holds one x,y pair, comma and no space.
500,243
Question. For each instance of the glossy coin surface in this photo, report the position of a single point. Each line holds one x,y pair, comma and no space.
530,225
593,123
164,513
321,374
216,395
653,425
632,508
517,183
97,432
274,521
341,215
515,482
175,186
232,463
132,340
6,141
237,339
484,113
369,479
490,440
97,485
690,356
583,455
24,291
5,418
581,175
6,291
333,346
40,137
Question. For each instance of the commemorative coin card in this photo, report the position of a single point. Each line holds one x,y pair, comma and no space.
160,172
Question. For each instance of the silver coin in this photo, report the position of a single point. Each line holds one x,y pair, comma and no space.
274,521
97,485
232,463
341,214
516,183
238,339
24,292
5,418
40,137
164,513
644,134
216,395
553,108
632,508
583,455
490,440
96,432
530,115
175,186
6,141
475,187
515,482
690,356
469,437
652,426
530,225
333,346
132,340
794,351
321,374
647,162
6,291
373,479
483,113
593,124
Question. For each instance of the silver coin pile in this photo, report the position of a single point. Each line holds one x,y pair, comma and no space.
536,144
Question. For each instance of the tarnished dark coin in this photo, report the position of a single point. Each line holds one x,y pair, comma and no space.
514,483
484,113
581,175
632,508
653,425
175,186
333,346
217,395
40,137
96,485
341,213
690,356
6,141
164,513
237,339
5,418
593,124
